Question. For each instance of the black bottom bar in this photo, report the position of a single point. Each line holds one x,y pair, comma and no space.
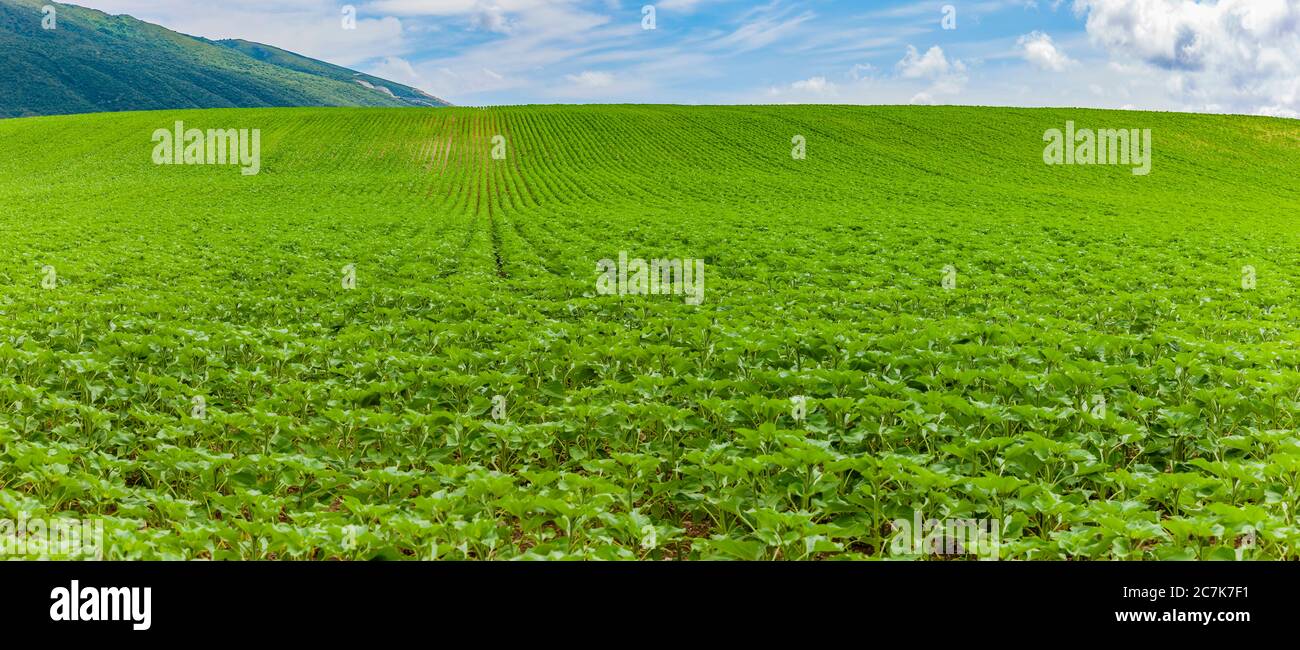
1075,599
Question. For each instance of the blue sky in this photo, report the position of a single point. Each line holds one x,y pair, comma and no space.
1240,56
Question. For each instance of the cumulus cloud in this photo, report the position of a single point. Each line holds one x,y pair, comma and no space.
1238,55
930,65
946,77
1038,49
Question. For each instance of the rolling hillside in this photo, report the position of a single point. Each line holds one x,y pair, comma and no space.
94,62
919,316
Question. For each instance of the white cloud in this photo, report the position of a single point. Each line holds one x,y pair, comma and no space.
590,85
1234,55
396,69
931,65
492,18
534,45
589,79
1042,53
816,85
947,78
813,89
862,71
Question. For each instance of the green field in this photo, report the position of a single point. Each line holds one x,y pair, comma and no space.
1100,382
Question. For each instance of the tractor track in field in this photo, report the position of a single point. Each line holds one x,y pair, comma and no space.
496,193
518,176
484,135
455,189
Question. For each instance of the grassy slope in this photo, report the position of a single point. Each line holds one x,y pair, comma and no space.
97,62
475,276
